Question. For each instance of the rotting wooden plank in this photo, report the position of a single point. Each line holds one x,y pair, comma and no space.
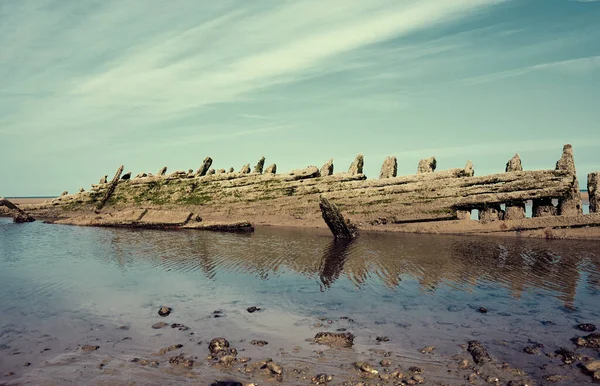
111,188
468,227
340,227
20,216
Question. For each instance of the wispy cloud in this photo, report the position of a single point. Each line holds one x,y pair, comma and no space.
571,66
87,83
218,56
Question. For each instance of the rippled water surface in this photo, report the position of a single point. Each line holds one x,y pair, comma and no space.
63,287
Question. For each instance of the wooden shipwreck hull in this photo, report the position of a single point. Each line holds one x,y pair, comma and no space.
442,197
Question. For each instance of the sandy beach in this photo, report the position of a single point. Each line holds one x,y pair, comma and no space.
28,200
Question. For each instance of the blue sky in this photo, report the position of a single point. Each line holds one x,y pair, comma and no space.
88,85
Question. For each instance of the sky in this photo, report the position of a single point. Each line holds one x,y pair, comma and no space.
88,85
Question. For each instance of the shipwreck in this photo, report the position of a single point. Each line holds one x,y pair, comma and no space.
427,201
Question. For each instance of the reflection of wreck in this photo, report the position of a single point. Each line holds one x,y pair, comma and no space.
429,201
433,261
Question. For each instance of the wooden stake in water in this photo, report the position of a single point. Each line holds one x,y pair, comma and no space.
340,227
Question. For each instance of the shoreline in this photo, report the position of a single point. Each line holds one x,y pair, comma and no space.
178,217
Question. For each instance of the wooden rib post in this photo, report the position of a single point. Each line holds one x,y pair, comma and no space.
111,188
341,228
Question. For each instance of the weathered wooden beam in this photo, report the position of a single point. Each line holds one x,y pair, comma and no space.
341,228
514,210
111,188
20,216
427,165
570,204
204,167
593,187
389,169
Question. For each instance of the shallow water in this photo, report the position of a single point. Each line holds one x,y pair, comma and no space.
68,286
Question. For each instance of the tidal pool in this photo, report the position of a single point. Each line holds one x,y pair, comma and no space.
65,287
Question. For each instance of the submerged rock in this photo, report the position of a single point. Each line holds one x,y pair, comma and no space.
533,349
181,360
592,366
365,367
589,341
252,309
478,352
87,347
180,327
321,379
586,327
227,360
173,347
164,311
259,343
567,356
159,325
335,339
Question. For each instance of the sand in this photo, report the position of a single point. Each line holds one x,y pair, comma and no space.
28,200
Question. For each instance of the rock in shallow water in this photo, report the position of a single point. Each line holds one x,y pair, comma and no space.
365,367
586,327
321,379
181,360
589,341
170,348
164,311
478,352
335,339
159,325
259,343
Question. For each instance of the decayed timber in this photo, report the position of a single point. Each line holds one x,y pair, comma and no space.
155,219
506,226
112,187
19,216
419,197
593,186
340,227
294,198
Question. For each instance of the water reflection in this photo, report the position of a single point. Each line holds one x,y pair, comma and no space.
332,265
459,262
